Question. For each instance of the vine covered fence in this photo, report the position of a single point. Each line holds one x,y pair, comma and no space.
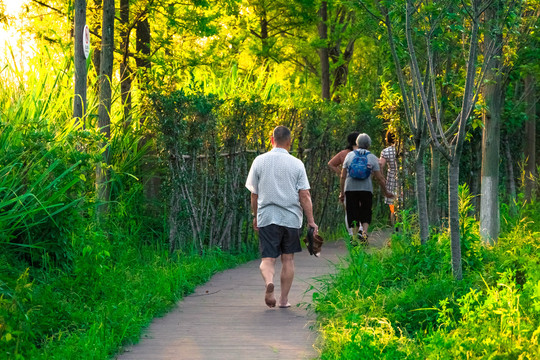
207,145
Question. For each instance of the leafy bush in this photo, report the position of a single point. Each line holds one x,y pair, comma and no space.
16,308
42,182
492,323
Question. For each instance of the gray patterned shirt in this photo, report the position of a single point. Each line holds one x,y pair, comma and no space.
276,177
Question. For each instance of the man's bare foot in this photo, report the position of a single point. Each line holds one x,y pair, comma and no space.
284,305
269,297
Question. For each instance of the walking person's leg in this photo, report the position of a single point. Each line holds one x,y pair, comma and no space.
353,212
287,277
267,271
349,228
290,244
366,199
391,186
269,246
392,215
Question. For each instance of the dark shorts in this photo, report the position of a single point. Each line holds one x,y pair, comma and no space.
358,205
275,240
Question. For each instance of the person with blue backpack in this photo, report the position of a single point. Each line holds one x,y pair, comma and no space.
356,187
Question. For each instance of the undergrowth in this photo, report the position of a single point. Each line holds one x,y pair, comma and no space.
403,303
75,285
114,290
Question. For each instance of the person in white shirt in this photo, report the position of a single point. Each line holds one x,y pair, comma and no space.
279,193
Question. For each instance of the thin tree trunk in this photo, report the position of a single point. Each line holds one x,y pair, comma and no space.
475,174
511,183
341,72
323,51
142,44
96,53
435,212
433,205
265,48
421,129
489,203
453,212
456,151
416,124
174,210
530,135
105,100
125,71
79,100
421,191
340,59
151,181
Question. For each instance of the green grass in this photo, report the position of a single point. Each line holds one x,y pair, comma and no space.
112,294
403,303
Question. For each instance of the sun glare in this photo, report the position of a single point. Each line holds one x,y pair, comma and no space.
9,33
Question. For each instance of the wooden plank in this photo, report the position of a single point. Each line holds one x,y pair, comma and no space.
227,318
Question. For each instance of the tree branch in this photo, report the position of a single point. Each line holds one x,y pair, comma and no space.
48,6
468,98
253,32
417,78
379,19
400,75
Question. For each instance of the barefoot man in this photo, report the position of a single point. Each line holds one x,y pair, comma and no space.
279,192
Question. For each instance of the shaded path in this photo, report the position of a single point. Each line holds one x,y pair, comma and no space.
226,318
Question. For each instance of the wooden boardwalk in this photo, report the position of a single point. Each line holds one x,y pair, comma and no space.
226,318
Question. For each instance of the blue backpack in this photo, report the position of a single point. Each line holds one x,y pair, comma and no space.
359,167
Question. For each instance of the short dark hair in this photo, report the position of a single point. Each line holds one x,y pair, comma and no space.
390,138
351,139
281,135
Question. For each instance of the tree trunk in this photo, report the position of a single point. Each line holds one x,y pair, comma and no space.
530,136
433,205
341,60
79,100
142,44
96,53
511,183
105,76
453,213
323,51
265,48
489,203
151,181
456,150
474,178
341,72
421,191
125,71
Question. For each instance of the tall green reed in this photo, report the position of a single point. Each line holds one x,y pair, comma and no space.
45,162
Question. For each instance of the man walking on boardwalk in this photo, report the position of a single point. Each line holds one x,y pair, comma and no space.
279,192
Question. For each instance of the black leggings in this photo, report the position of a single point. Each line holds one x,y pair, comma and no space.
358,207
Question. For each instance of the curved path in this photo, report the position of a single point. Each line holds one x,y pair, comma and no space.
226,318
